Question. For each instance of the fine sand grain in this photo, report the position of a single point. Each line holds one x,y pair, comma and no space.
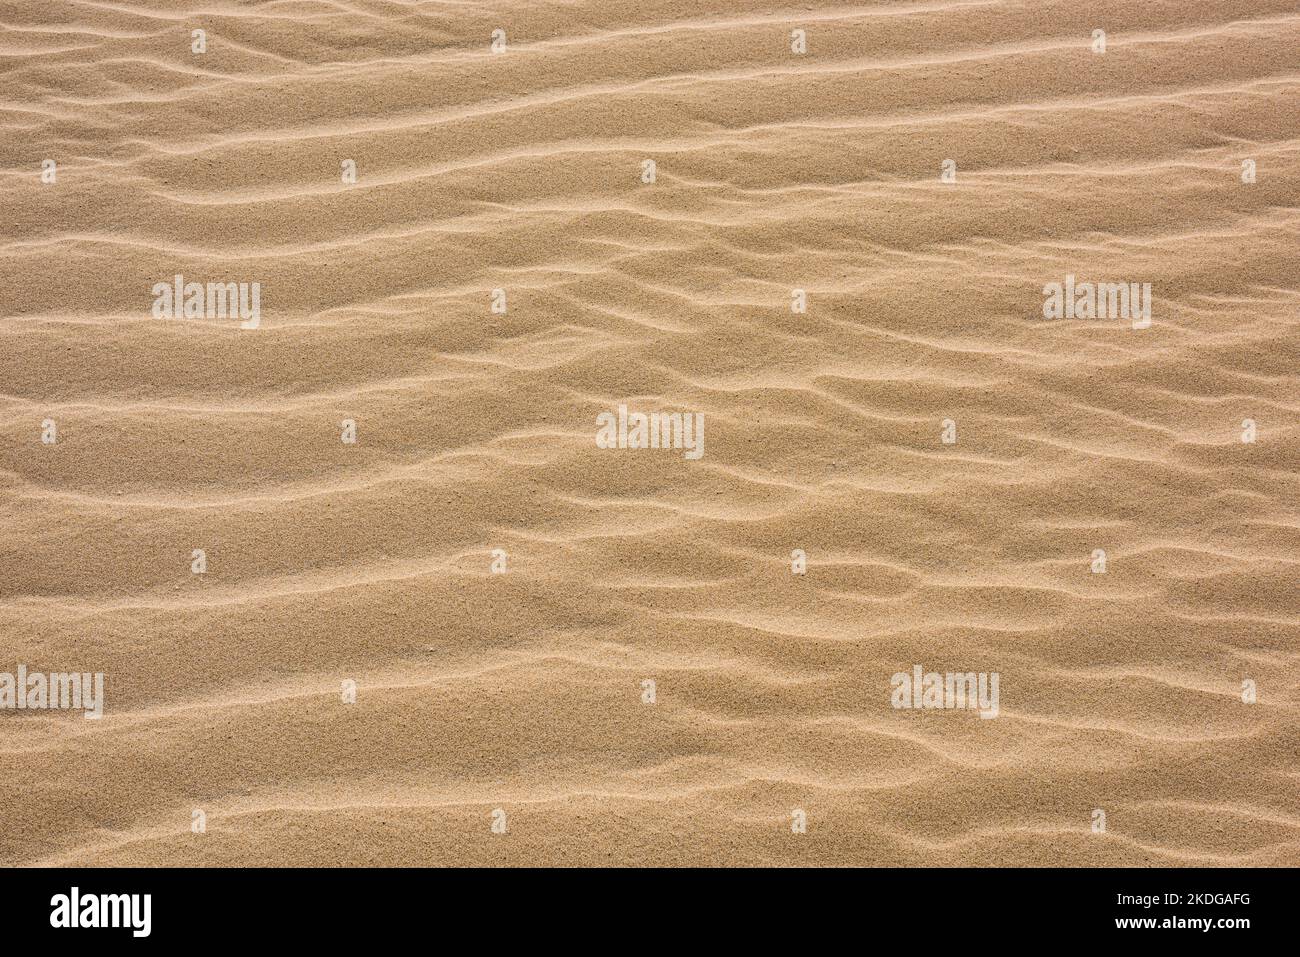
1125,692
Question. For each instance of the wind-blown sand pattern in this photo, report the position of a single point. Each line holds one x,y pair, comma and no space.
775,171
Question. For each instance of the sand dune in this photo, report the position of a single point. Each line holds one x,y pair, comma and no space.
499,274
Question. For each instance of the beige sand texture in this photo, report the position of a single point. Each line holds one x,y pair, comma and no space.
476,430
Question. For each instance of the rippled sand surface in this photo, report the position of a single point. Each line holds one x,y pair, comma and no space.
523,692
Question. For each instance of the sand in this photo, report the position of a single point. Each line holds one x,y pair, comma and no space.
504,717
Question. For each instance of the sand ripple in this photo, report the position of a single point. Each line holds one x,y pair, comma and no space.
523,691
